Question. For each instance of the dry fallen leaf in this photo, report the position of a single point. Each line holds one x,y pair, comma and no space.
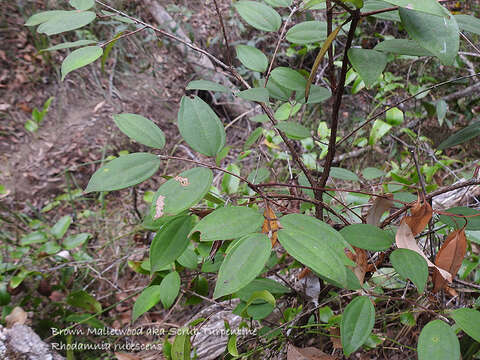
308,353
270,225
335,338
450,257
361,259
405,240
421,213
380,205
17,316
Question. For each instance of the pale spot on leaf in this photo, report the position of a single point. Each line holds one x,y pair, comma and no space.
159,206
182,181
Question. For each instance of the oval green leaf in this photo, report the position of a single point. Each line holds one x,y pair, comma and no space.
437,34
206,85
140,129
402,47
426,6
293,130
170,242
73,241
368,63
357,324
242,264
181,192
83,300
82,4
461,136
200,126
255,94
43,16
410,265
307,32
169,289
438,341
236,221
473,222
66,21
368,237
252,58
279,3
68,45
468,23
469,321
61,226
125,171
289,78
80,58
259,15
147,299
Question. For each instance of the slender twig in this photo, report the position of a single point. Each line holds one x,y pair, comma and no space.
336,110
220,18
331,67
381,113
279,41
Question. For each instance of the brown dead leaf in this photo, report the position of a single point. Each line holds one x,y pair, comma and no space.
125,356
380,205
421,213
308,353
17,316
450,257
303,273
405,240
361,259
270,225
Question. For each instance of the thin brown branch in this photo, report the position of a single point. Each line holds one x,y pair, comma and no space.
227,44
331,67
336,109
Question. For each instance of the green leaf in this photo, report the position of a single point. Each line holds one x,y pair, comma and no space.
181,345
206,85
293,130
342,174
169,289
368,63
410,265
259,15
255,94
469,321
473,222
426,6
402,47
261,284
379,129
441,108
73,241
438,341
259,305
61,226
66,21
370,173
318,94
140,129
82,4
252,138
170,242
373,5
394,116
80,58
181,192
236,221
68,45
368,237
259,175
260,118
147,299
277,91
200,126
316,245
307,32
50,247
464,135
83,300
279,3
437,34
357,324
286,110
230,183
468,23
36,237
125,171
188,259
252,58
4,295
44,16
289,78
242,264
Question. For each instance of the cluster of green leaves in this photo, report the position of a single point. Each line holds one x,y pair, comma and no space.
185,241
